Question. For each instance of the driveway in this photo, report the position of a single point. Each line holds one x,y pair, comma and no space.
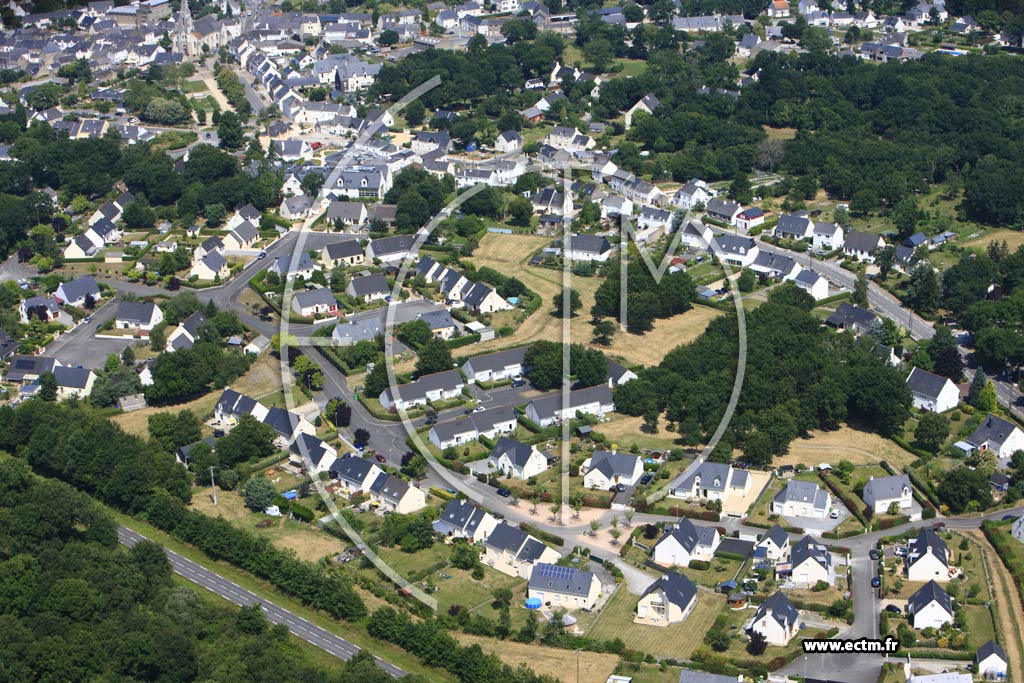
818,526
79,346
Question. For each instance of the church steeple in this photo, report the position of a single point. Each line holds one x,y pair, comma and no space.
183,29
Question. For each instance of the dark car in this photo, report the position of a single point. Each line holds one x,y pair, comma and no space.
504,493
1006,518
873,553
646,479
518,383
894,609
620,487
876,582
380,458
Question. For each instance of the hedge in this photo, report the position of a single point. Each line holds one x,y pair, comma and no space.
729,556
541,534
832,299
529,424
925,487
465,340
855,507
441,493
902,443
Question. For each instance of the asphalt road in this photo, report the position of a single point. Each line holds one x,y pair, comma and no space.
232,592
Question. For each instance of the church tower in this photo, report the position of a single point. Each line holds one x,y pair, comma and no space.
183,30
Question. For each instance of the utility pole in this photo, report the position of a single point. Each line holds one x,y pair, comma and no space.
213,487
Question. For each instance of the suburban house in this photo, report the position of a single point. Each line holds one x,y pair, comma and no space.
80,247
711,481
776,266
24,369
344,253
697,235
694,194
346,214
809,563
368,288
647,104
516,459
391,249
390,493
851,317
354,475
881,492
813,283
686,542
288,425
996,434
208,246
232,405
489,423
461,519
548,409
1017,530
512,551
509,141
927,558
76,292
773,546
800,498
495,367
247,213
604,469
723,210
321,455
619,374
669,600
776,619
588,248
140,316
212,266
73,382
794,227
439,386
563,587
243,236
862,246
932,392
184,336
749,218
285,269
930,606
40,307
737,251
990,660
314,302
481,298
827,236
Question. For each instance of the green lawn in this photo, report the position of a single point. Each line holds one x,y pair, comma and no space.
980,628
193,86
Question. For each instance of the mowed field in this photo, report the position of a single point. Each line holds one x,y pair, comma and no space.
846,443
550,661
509,254
677,641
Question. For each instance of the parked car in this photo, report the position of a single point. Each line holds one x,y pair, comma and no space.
646,479
894,609
834,514
873,553
876,582
479,409
901,551
504,493
620,487
518,383
380,458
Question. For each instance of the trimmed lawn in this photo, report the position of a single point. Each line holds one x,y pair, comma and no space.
676,640
980,628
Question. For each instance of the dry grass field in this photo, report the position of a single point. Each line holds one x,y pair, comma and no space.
677,641
1013,239
846,443
1008,610
650,348
137,422
555,662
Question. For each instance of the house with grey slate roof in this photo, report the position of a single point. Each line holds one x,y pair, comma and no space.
930,606
932,392
881,492
669,600
809,563
711,481
392,494
604,469
517,459
684,543
461,519
998,435
548,409
563,587
354,475
139,316
512,551
440,386
776,619
802,499
490,423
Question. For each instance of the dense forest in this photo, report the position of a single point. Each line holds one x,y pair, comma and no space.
77,606
799,376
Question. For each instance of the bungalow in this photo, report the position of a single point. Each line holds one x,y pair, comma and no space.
711,481
927,558
990,661
587,248
344,253
794,227
368,288
827,236
996,434
548,409
321,456
775,265
314,302
73,383
346,214
39,307
605,469
563,587
800,498
737,251
684,543
749,218
851,317
213,266
862,246
77,292
809,563
184,336
354,475
287,267
461,519
723,210
391,494
512,551
141,316
773,546
80,247
669,600
489,423
516,459
495,367
391,249
776,619
24,369
244,236
930,606
881,492
932,392
813,283
439,386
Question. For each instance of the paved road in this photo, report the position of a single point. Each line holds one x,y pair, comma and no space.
79,346
232,592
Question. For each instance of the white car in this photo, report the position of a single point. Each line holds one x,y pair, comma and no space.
834,514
